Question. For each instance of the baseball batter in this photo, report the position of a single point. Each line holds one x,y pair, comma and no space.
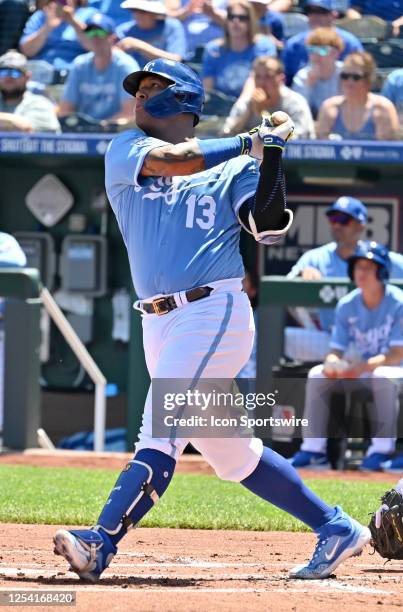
180,203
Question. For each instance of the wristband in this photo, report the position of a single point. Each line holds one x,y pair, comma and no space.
271,140
218,150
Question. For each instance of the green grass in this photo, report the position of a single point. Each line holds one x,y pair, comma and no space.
73,496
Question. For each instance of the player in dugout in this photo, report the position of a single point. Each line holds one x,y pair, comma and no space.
366,353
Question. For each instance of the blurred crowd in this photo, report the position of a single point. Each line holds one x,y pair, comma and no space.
333,65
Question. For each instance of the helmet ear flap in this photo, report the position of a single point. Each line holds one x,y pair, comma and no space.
382,273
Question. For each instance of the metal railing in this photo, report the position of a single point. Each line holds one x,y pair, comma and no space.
86,361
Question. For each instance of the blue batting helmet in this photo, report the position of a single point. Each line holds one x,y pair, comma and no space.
185,94
374,251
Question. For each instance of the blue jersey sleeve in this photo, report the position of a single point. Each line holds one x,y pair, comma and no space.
124,159
244,176
340,339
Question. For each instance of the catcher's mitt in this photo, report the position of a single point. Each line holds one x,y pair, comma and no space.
386,526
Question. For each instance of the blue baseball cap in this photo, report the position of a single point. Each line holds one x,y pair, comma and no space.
103,22
327,5
350,206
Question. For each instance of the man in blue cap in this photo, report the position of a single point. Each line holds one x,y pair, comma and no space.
93,86
347,217
320,14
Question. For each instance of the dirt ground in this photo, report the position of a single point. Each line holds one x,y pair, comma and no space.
193,570
188,463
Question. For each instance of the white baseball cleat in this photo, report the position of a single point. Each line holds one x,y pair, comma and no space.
86,551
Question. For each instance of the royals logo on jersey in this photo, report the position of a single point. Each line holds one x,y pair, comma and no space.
369,332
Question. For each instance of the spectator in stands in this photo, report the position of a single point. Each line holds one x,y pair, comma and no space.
94,84
320,15
20,109
227,63
389,11
271,23
203,21
281,6
269,94
368,324
150,33
319,79
13,15
393,90
110,8
358,113
53,32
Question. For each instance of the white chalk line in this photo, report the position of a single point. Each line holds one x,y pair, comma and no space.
199,564
19,572
329,588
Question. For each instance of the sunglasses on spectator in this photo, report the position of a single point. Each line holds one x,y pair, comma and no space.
321,50
96,33
340,218
233,16
316,10
10,72
345,76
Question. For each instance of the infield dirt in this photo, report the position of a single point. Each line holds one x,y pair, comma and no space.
193,570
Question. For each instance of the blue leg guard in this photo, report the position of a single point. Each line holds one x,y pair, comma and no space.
138,488
275,480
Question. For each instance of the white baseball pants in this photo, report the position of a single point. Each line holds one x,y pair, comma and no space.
384,384
209,338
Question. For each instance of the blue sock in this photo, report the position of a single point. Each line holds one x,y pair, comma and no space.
279,483
129,486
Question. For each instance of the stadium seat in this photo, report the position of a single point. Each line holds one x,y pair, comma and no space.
387,54
217,104
294,23
368,28
78,122
42,71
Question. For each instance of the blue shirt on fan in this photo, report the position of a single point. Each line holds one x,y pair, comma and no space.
295,55
99,93
230,69
389,10
168,35
174,227
61,46
368,331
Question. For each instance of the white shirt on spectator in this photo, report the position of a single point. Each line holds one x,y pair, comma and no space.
290,102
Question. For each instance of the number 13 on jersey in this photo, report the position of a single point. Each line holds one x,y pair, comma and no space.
202,211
